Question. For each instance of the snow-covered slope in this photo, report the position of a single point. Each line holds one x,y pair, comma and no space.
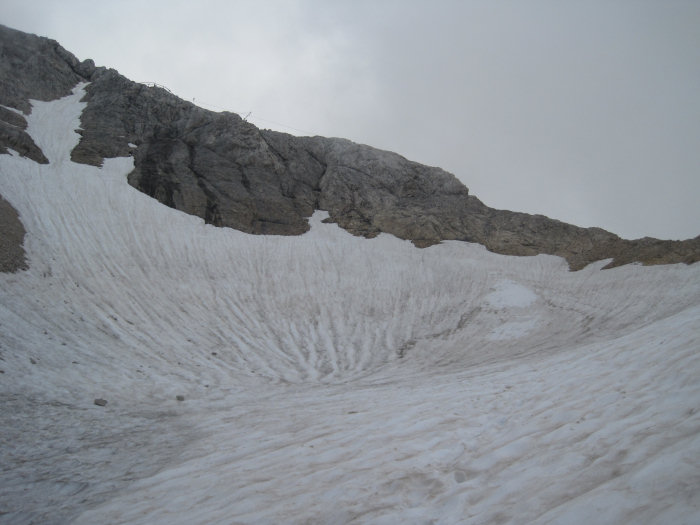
326,378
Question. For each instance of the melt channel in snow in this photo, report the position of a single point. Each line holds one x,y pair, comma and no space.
326,378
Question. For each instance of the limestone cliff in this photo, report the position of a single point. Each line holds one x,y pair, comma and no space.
221,168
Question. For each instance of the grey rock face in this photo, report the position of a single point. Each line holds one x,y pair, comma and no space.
368,191
230,173
36,68
13,136
213,165
12,256
32,68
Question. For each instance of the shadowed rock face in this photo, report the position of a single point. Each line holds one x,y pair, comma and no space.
230,173
12,256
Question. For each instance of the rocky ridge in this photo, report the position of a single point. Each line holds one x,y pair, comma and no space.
230,173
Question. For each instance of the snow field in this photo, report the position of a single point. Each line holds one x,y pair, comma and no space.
327,378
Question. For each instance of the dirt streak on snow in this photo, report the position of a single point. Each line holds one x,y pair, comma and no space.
327,378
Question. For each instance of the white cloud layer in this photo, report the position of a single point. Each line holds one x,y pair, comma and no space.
586,112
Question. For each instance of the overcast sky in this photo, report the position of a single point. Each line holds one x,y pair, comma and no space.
585,111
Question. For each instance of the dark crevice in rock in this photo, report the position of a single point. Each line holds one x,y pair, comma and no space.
245,181
212,214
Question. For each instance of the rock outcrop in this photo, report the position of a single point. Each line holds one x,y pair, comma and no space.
228,172
32,68
12,256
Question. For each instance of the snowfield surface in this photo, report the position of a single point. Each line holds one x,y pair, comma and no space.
326,378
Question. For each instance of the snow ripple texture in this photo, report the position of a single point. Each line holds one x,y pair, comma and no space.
326,378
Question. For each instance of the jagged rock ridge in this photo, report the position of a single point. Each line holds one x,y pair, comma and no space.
230,173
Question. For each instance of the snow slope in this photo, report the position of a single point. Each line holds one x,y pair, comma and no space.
327,378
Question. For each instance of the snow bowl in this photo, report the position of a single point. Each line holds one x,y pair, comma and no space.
325,377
